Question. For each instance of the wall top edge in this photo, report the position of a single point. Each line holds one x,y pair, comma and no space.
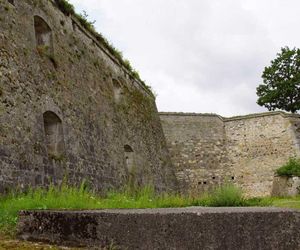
233,118
111,56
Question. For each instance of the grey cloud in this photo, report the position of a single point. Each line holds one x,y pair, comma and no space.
199,56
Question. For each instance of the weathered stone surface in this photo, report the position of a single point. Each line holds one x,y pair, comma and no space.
286,186
50,63
197,144
186,228
208,150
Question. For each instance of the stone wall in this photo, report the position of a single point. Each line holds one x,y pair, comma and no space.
197,145
180,229
68,107
284,186
258,145
209,150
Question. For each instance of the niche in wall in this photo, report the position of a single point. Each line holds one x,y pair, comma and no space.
117,91
129,158
43,36
54,135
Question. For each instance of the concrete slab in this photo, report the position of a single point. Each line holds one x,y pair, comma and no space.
174,228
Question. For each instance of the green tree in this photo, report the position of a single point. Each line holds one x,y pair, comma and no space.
281,82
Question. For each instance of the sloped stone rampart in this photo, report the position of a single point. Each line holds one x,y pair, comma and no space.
53,69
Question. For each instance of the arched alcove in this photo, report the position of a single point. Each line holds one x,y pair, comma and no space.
117,91
43,35
129,158
54,135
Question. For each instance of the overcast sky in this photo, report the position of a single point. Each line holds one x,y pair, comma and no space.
204,56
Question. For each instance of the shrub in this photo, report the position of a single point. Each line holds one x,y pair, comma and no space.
291,168
65,7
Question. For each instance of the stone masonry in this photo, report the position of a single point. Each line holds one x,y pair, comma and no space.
68,108
209,150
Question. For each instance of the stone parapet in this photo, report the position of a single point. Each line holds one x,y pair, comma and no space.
181,229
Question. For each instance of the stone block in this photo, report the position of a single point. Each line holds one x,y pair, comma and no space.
180,229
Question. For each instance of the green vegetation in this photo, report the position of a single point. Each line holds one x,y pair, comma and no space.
281,82
292,202
66,197
69,10
65,7
291,168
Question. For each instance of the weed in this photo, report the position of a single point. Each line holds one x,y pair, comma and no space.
65,7
57,157
291,168
68,197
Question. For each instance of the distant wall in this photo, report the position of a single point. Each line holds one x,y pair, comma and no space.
69,108
209,150
257,145
197,145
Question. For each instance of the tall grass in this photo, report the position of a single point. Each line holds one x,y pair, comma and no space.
67,197
224,196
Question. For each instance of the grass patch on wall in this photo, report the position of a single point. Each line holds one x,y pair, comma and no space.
291,168
67,197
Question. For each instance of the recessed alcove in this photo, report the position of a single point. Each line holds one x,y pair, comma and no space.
54,135
117,91
43,35
129,157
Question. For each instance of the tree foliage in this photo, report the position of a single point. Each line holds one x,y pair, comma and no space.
281,82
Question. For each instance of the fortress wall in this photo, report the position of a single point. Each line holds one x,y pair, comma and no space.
197,148
98,108
258,145
244,150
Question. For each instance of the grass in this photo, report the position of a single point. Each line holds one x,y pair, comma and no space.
67,197
291,168
293,202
